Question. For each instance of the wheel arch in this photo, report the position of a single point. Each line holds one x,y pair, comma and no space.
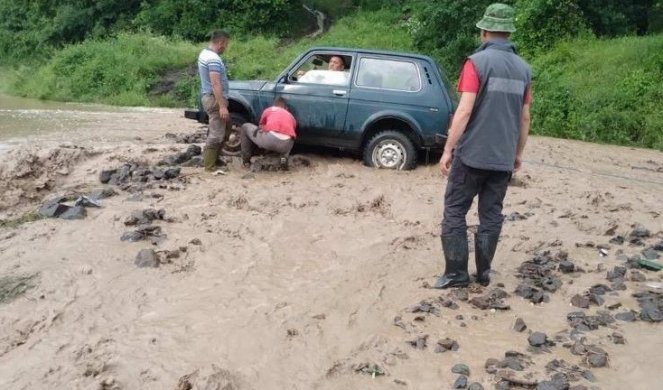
391,121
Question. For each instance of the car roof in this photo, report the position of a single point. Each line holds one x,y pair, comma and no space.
371,51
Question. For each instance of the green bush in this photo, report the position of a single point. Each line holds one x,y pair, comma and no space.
601,91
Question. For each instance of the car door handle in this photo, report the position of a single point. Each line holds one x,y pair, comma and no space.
339,92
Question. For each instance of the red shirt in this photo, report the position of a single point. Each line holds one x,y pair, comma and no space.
278,120
469,81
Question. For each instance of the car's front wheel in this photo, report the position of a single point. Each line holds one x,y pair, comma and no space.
232,145
390,149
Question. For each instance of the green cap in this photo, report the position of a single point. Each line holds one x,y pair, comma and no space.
498,18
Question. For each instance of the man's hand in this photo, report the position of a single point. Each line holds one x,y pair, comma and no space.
445,163
518,163
223,112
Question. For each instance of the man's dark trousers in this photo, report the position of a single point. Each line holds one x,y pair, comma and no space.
464,184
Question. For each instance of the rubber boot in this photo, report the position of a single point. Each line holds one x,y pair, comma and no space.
209,158
484,251
455,250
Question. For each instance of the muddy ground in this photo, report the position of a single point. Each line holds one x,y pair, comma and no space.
317,278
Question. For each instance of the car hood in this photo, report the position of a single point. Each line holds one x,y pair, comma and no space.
252,85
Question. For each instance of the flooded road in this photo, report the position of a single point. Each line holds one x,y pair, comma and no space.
28,120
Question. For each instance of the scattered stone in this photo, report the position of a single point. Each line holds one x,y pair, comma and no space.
75,212
153,233
537,339
198,137
636,276
445,345
520,325
106,175
461,369
492,300
461,294
658,246
650,254
640,231
53,208
425,307
580,301
516,216
651,306
420,342
503,385
147,258
617,240
475,386
448,303
616,274
171,173
461,382
102,193
491,365
627,316
144,217
618,338
578,387
596,357
582,322
196,241
567,267
372,369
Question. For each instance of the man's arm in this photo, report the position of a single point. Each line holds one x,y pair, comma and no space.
522,140
215,78
458,126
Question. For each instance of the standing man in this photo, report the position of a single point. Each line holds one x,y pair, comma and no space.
485,145
276,133
214,95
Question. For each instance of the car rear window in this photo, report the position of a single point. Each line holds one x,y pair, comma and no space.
388,74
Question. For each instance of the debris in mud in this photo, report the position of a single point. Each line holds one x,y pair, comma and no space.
461,382
516,216
596,357
151,232
475,386
539,339
196,241
651,306
617,274
539,276
445,345
425,307
582,322
13,286
147,258
181,157
420,342
492,300
368,368
198,137
627,316
274,163
448,303
58,207
557,382
513,360
571,372
460,294
133,175
617,240
144,217
461,369
210,378
639,231
520,325
617,338
650,254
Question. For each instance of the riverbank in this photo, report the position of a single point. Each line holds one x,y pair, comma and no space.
317,277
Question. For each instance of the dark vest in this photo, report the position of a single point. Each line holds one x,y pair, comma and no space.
491,137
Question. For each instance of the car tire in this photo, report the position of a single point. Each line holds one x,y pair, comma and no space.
231,147
390,149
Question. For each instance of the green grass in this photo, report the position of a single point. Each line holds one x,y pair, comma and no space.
601,91
25,218
123,69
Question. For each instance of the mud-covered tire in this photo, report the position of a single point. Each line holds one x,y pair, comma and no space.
231,147
390,149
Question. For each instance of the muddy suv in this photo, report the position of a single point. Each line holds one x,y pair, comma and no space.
388,106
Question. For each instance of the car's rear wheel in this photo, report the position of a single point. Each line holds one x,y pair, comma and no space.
232,145
390,149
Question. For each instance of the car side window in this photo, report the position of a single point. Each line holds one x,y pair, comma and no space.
323,69
388,74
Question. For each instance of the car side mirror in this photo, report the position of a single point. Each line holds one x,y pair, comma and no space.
283,79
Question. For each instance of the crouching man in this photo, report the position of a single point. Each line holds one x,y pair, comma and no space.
275,133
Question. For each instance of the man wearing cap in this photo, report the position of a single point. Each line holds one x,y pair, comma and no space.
214,95
484,146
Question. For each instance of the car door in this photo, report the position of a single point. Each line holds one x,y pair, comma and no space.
319,101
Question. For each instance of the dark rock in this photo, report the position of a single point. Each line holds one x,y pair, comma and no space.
158,173
105,175
53,208
537,339
640,231
196,241
616,273
171,173
147,258
650,254
512,363
549,385
589,376
580,301
102,193
658,246
600,289
636,276
461,294
618,338
567,267
636,241
195,161
520,325
578,387
475,386
446,344
461,369
461,382
618,240
650,313
578,348
76,212
420,342
491,365
503,385
133,236
597,357
596,299
425,307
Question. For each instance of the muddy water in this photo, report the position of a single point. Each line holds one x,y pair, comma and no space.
28,120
